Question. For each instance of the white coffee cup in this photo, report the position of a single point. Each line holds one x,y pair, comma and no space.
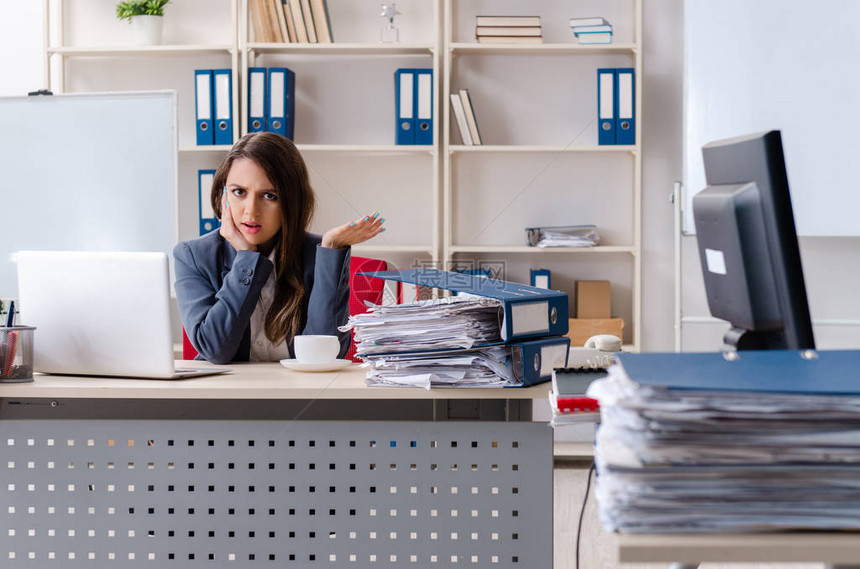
312,349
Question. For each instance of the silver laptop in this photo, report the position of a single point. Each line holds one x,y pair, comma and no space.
99,313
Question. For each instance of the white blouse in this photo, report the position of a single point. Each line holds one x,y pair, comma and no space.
262,349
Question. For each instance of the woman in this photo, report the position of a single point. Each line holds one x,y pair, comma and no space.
246,290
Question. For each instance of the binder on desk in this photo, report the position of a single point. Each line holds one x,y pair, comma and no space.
824,372
404,102
606,103
423,106
203,100
257,96
625,109
282,89
223,105
527,311
208,221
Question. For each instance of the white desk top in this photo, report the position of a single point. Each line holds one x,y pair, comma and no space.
250,381
819,547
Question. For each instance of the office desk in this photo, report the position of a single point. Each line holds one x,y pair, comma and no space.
271,468
837,549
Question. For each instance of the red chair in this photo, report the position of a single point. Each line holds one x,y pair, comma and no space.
363,288
360,289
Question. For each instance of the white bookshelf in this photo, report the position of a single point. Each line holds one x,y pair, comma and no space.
488,176
444,203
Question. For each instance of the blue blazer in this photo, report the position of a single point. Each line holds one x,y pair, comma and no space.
217,289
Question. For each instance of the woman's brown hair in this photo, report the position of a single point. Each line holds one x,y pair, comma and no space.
284,167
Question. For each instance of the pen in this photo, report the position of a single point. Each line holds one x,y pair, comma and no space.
10,316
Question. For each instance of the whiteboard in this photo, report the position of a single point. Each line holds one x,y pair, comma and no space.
759,65
87,172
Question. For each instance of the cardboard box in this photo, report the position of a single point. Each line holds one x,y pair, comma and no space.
581,329
592,299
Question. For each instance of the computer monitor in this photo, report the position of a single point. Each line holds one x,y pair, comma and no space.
748,245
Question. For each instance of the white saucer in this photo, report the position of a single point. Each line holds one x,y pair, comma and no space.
295,365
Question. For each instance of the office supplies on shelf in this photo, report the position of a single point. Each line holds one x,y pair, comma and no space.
606,106
257,98
460,116
299,21
111,317
308,16
580,330
208,221
540,278
591,21
577,30
509,21
511,39
760,440
258,20
322,23
223,105
404,102
586,38
516,364
625,122
501,31
282,90
525,311
423,106
471,117
563,236
567,399
203,100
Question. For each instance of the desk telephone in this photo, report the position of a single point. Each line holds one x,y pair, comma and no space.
596,353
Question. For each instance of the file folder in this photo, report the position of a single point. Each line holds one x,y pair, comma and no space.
223,105
606,102
540,278
257,97
819,372
625,122
203,100
404,101
208,221
282,91
527,311
423,106
534,360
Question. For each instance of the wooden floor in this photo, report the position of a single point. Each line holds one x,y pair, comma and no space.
596,547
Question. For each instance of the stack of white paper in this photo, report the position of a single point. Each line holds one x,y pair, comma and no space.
673,461
403,344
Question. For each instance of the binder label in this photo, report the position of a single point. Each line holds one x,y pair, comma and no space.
406,98
552,357
529,318
606,99
257,86
276,98
204,104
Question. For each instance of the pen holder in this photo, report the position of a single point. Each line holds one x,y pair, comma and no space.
16,354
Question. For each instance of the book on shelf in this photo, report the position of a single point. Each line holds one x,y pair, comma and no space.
307,14
577,30
587,39
460,115
512,21
288,17
471,118
278,9
481,31
257,20
592,21
322,22
299,21
510,39
272,21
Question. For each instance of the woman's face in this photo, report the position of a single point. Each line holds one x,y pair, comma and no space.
253,204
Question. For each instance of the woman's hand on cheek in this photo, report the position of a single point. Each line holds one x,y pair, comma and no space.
355,232
229,231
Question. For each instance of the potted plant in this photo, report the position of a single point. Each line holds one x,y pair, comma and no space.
145,17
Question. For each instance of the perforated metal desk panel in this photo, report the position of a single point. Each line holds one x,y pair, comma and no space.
270,468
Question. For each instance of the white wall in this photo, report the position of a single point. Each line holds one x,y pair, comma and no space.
21,59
